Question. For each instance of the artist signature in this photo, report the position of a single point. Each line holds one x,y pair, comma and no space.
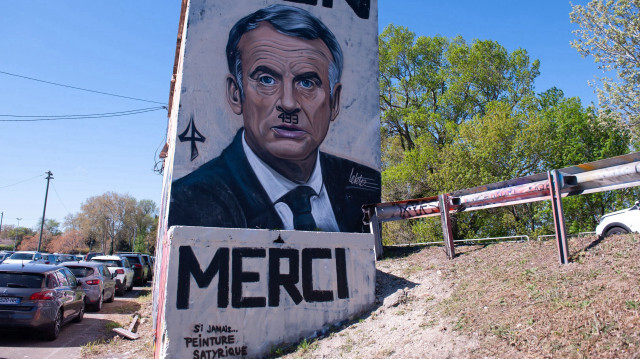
357,179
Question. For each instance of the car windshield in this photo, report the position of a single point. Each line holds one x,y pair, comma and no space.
81,272
109,262
133,259
64,258
21,280
28,256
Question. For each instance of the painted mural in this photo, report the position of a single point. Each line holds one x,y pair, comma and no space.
277,126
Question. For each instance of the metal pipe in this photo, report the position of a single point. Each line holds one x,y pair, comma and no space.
528,191
415,208
606,175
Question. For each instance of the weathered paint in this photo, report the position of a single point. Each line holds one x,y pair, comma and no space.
259,289
603,175
612,173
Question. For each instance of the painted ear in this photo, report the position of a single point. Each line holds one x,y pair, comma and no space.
335,101
233,95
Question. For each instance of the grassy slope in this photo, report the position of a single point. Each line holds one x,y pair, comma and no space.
507,300
521,300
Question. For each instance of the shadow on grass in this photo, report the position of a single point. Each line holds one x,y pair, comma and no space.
387,284
400,252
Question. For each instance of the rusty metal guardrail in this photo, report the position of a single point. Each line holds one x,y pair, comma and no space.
598,176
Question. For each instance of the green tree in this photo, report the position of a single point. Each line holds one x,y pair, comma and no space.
457,116
429,86
610,32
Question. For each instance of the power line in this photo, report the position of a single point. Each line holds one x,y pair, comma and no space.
28,179
91,114
79,88
29,118
59,199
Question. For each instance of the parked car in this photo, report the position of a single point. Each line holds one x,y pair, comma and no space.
122,268
149,262
50,258
24,257
97,282
39,296
91,255
66,257
140,268
620,222
4,255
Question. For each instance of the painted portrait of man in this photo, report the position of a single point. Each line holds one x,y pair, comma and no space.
284,80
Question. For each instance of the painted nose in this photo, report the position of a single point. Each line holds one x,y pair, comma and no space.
287,100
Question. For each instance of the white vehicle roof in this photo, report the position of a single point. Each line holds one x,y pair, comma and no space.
111,258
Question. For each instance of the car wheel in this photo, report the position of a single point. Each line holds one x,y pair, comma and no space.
113,296
123,288
80,315
615,230
53,331
98,305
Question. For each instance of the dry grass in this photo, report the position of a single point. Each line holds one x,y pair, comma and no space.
505,300
520,300
115,347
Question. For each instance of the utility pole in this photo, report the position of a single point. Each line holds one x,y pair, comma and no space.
44,210
1,217
15,241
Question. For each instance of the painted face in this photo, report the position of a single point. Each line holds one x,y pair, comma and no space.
287,105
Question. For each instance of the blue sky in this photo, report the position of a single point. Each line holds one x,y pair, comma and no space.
127,48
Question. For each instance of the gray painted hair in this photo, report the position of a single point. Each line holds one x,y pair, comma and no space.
290,21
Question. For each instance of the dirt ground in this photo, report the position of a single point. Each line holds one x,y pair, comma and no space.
113,346
505,300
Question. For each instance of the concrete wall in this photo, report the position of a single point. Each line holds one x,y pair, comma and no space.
244,294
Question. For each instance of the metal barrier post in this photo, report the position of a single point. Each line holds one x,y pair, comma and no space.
376,228
555,186
445,221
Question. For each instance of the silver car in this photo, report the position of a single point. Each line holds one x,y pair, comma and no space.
24,257
98,283
121,267
39,296
4,255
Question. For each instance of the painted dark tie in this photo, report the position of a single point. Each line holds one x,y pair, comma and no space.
299,200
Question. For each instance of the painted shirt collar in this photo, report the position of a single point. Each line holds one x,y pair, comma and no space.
274,183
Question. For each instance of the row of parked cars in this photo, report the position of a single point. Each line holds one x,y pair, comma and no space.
41,296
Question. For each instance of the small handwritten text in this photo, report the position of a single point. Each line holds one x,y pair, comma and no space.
356,179
214,346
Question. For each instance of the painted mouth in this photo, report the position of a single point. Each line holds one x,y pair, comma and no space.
288,131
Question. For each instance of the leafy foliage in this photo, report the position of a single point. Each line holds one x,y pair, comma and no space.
458,116
609,31
112,222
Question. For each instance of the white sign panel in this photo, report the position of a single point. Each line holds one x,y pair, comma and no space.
243,293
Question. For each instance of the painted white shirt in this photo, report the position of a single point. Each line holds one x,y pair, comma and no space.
277,186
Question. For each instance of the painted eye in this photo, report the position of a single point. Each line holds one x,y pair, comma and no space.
306,84
266,80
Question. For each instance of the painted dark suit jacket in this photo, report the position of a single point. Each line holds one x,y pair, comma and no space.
225,192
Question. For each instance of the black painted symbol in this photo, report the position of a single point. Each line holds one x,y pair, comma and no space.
288,117
194,136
